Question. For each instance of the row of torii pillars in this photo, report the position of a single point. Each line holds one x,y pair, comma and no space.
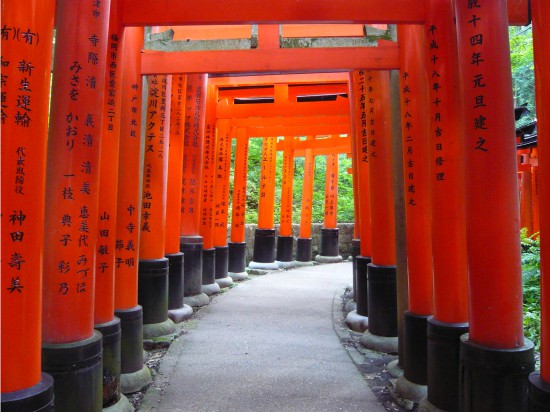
495,358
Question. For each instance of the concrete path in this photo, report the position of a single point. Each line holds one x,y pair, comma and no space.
266,345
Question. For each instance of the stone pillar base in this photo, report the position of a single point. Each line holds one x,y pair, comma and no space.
36,398
181,314
357,322
76,370
111,361
156,330
539,393
211,289
264,265
444,363
382,300
264,246
285,265
494,379
379,343
123,405
410,390
238,276
197,301
328,259
395,369
135,381
225,282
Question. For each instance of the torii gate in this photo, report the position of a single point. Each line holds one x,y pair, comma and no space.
159,12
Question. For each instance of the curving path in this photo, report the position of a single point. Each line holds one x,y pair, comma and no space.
266,345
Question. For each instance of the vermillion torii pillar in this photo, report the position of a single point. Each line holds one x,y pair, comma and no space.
358,319
285,240
26,63
207,195
495,357
381,273
191,242
329,249
177,310
221,202
264,237
153,266
104,303
304,242
237,245
539,382
134,375
416,152
71,348
450,294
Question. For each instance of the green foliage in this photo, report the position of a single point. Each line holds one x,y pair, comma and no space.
523,76
530,260
345,186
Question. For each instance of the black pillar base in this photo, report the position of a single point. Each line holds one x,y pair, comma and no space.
329,242
153,290
236,256
191,246
444,363
175,280
355,251
37,398
76,370
222,262
361,286
303,249
382,296
131,339
285,244
415,355
539,393
134,375
208,266
111,361
494,379
264,246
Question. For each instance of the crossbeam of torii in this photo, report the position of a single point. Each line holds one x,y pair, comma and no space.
199,12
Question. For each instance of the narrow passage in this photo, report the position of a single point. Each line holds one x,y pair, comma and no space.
266,345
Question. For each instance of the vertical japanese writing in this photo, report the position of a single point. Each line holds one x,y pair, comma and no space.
408,100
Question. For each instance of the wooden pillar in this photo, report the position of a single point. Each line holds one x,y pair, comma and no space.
448,224
329,250
264,237
415,128
539,388
104,303
303,245
177,311
221,202
237,244
26,61
191,243
382,300
525,198
207,195
153,266
285,240
134,375
71,348
492,215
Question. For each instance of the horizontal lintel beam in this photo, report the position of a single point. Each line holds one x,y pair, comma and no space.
297,130
290,121
205,12
271,60
231,111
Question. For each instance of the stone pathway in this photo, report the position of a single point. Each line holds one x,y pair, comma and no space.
268,344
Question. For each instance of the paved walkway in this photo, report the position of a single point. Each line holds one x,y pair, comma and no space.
266,345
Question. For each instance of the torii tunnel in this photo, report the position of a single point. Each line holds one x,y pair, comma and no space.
119,119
